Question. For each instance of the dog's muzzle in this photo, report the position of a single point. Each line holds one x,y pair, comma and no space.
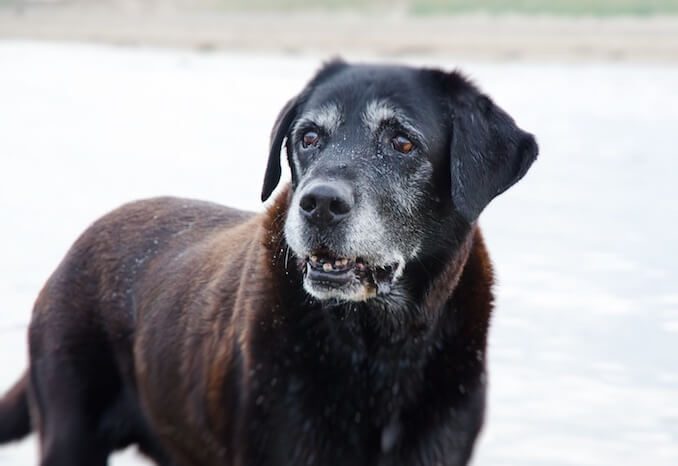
326,209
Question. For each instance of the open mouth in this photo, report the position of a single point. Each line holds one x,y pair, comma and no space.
331,272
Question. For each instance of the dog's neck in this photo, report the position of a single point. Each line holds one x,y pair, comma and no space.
382,352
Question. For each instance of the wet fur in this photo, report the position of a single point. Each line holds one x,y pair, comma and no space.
181,327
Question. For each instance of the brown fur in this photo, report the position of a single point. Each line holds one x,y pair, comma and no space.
167,304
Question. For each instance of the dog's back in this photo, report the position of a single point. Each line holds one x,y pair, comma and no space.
89,319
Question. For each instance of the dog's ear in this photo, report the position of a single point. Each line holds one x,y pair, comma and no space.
283,123
488,152
281,128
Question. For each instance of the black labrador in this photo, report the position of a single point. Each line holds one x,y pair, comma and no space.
347,325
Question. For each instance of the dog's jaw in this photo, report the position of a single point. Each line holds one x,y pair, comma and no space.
355,293
357,284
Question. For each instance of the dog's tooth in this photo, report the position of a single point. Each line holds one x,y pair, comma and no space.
327,267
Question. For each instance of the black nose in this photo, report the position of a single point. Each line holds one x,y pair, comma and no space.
326,203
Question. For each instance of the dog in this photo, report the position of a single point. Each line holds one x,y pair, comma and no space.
346,325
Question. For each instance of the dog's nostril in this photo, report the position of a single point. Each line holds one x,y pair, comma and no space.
308,203
339,207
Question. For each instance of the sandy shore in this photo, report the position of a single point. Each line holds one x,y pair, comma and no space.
478,37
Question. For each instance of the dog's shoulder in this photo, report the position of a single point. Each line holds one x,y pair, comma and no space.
474,291
478,274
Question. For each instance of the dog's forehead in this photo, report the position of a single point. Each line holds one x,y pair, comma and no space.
373,90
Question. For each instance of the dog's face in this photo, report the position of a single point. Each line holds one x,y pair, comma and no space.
386,162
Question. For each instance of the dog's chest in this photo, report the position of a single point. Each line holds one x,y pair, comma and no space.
363,426
339,424
344,396
357,411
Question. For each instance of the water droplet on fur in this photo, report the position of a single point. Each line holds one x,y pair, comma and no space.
389,436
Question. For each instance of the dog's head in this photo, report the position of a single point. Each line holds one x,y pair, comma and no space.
389,164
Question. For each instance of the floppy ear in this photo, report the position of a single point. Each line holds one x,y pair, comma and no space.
280,129
283,123
488,154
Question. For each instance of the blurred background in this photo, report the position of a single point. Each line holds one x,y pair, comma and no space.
102,102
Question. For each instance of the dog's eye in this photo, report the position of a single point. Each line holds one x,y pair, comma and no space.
402,144
310,138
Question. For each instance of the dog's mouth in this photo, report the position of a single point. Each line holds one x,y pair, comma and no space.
350,276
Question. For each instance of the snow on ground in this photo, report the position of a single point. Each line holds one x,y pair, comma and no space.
583,365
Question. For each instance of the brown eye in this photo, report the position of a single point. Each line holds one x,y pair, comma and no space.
310,138
402,144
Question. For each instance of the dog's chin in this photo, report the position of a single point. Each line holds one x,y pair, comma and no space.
331,277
